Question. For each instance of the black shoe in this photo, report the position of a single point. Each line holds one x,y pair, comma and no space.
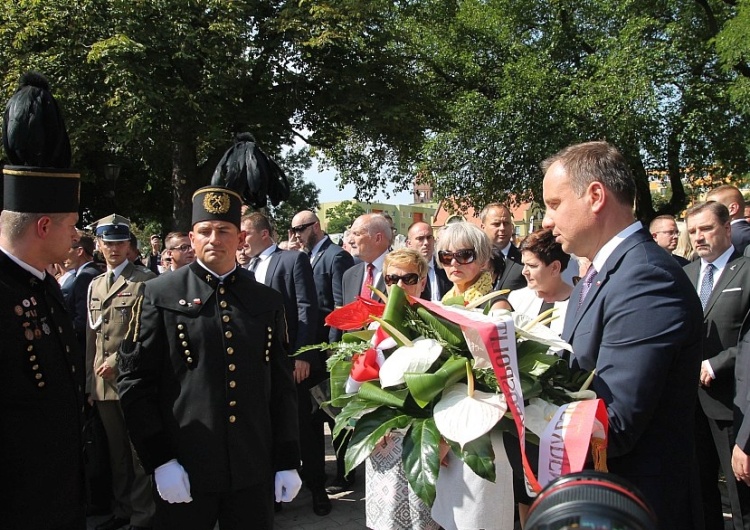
321,502
277,507
112,524
133,527
341,484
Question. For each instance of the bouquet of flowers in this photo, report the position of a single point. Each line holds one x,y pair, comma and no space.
453,373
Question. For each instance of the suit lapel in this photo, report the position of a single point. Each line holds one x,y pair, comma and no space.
273,264
730,271
319,256
120,282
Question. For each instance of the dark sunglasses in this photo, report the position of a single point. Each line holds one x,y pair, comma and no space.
301,228
462,257
409,279
182,248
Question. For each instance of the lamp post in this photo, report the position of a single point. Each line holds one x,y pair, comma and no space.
112,173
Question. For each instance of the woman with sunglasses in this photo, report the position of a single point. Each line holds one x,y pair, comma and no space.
390,503
464,499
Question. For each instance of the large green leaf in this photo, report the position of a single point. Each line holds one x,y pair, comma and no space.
421,458
425,387
339,375
395,309
478,455
372,392
347,418
368,431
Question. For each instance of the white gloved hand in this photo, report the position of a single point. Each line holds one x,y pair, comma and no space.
287,485
172,482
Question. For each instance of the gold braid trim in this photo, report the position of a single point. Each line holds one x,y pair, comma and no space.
599,454
134,326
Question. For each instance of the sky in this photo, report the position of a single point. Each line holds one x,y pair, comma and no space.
329,191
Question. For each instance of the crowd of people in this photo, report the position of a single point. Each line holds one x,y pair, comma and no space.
185,356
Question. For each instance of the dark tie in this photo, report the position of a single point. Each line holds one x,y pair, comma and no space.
110,279
587,281
707,285
369,279
254,263
427,293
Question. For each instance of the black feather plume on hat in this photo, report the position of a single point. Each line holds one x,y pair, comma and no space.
33,129
247,170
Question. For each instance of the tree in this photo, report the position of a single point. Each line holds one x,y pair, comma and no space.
341,216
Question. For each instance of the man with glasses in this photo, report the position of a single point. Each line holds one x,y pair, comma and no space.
111,300
180,250
666,234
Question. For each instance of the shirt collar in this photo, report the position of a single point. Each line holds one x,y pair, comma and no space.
609,247
25,266
118,270
213,273
719,262
316,248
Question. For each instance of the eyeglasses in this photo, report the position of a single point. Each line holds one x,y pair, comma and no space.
167,260
75,247
182,248
670,233
301,228
462,257
409,279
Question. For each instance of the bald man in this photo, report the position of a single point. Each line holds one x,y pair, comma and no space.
731,197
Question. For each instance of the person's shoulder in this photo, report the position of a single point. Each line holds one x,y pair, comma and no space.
351,271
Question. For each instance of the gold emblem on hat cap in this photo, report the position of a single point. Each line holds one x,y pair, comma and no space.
216,203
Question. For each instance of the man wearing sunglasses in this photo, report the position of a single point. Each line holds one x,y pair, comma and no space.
497,223
420,238
180,250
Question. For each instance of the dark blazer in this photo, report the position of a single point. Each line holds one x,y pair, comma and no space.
444,284
206,380
352,282
639,327
77,300
512,277
41,399
328,266
722,322
740,235
289,272
742,390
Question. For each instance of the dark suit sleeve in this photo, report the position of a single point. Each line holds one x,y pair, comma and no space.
742,395
643,320
79,301
342,262
307,308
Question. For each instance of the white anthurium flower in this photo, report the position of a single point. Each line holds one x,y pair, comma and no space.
525,328
461,417
537,414
385,344
412,359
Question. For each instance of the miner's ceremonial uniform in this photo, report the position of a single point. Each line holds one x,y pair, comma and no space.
206,382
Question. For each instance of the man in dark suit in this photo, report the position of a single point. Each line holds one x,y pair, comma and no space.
635,319
81,257
722,279
421,238
289,272
497,223
666,234
741,450
369,238
732,198
205,384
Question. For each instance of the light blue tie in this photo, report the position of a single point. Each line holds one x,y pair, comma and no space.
707,285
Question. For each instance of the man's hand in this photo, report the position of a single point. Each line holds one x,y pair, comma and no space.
705,378
741,465
172,482
106,372
287,485
301,371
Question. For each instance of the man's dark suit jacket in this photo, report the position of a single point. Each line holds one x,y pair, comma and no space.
328,266
742,390
723,318
352,282
444,284
289,272
639,327
77,299
512,277
741,235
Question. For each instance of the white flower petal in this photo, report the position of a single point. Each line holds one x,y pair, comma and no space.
463,418
539,333
537,414
412,359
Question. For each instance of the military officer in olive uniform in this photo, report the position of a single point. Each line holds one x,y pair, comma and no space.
110,307
41,368
206,386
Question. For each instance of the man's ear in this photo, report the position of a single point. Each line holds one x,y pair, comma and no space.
597,196
43,226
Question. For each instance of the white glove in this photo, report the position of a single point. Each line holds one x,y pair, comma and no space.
287,485
172,482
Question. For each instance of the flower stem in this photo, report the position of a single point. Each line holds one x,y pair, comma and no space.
539,318
469,380
381,294
393,332
486,298
588,381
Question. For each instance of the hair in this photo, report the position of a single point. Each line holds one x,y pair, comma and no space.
658,218
415,223
684,246
719,210
14,224
542,244
466,235
406,258
172,236
493,206
730,192
596,162
377,223
86,242
258,221
133,240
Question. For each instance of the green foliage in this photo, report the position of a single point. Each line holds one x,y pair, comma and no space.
421,458
341,216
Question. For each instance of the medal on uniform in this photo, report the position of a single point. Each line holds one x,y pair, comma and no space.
26,303
28,334
45,328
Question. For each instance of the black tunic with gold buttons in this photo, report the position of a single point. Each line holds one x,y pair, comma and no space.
41,403
206,380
